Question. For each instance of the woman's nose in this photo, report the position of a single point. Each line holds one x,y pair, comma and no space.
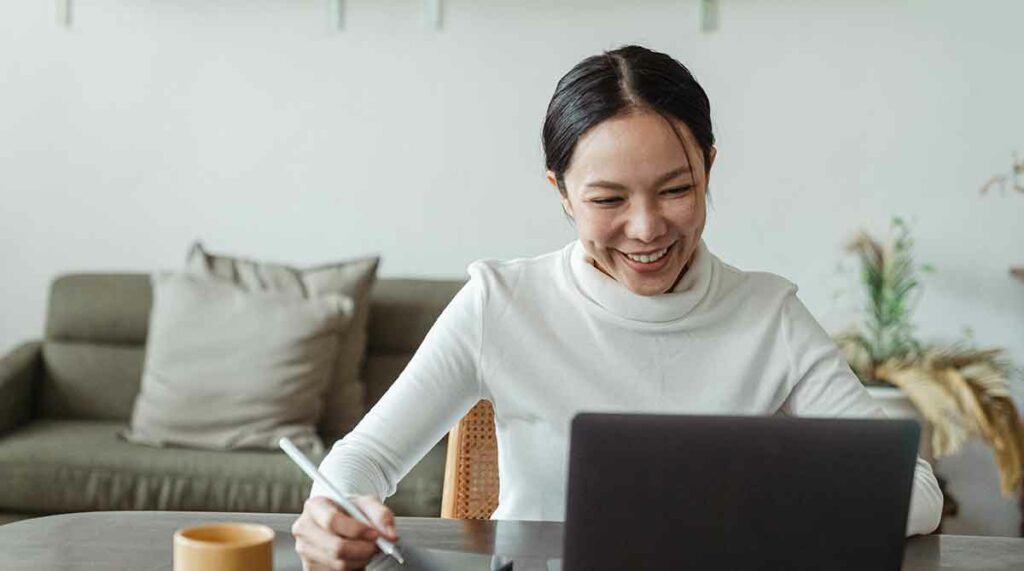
645,224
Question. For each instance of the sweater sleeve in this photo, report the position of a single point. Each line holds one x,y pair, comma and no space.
439,385
823,385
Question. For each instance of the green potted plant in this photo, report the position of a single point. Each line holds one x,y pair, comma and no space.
959,392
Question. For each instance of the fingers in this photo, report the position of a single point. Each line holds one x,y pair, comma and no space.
315,559
328,538
321,546
329,516
381,516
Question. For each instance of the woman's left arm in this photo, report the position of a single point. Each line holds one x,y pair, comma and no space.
824,385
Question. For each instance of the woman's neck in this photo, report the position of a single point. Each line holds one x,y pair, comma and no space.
614,298
682,272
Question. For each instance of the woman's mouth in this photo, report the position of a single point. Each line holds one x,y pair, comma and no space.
649,262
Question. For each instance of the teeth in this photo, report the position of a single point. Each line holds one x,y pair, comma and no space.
648,258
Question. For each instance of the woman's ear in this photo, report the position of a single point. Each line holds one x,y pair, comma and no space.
553,180
566,205
711,161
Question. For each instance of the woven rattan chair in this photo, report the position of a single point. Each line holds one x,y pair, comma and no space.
471,469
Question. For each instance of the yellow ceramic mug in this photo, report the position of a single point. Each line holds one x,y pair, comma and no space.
224,547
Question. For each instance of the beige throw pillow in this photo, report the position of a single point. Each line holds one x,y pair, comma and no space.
345,396
227,368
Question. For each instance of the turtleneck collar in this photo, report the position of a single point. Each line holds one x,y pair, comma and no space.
614,298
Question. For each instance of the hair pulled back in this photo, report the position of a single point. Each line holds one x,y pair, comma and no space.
615,82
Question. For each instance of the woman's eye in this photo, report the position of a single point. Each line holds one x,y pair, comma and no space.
678,189
606,201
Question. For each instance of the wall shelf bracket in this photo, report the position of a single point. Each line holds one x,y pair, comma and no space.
63,13
708,15
336,14
432,11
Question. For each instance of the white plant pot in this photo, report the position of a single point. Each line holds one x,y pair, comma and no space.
896,404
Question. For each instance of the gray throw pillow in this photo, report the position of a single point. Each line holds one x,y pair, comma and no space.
227,368
345,396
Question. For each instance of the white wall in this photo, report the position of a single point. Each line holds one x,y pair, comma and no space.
250,125
253,126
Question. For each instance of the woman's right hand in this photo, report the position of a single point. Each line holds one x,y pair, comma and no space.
326,537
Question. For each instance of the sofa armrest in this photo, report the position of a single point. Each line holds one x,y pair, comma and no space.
19,371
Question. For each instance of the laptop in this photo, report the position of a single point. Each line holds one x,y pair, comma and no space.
717,492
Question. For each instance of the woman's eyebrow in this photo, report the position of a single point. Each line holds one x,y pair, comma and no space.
660,181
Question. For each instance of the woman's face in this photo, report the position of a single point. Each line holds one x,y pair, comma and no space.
637,198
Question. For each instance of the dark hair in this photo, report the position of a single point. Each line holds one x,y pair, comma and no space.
622,80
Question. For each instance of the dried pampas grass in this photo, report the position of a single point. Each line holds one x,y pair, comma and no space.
961,391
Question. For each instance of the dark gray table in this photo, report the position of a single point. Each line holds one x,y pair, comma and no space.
141,541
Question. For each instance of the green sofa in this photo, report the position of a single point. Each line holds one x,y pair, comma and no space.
64,398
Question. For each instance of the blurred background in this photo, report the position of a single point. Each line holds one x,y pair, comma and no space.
261,128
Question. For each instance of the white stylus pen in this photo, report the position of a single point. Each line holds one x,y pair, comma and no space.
299,458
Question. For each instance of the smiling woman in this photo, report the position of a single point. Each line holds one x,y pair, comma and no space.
638,205
635,315
632,172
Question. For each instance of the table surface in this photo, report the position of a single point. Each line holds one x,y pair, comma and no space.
142,541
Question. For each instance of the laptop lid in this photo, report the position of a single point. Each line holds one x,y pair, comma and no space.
717,492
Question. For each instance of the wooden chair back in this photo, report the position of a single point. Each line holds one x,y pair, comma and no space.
471,468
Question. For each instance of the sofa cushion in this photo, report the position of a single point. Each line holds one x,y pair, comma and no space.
54,466
344,398
95,338
380,372
403,310
419,492
228,368
101,308
90,380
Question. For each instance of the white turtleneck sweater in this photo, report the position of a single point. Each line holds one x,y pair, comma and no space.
547,337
